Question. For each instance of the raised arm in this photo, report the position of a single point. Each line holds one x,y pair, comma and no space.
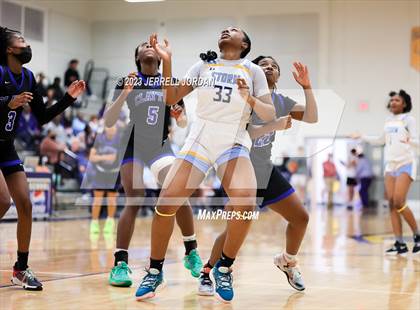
174,93
307,113
123,89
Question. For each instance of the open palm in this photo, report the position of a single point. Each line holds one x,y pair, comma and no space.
163,50
301,75
76,88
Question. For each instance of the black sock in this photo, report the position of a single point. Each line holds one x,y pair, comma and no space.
189,246
22,260
207,268
226,261
156,263
208,265
120,256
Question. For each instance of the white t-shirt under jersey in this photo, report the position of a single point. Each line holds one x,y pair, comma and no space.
222,103
398,128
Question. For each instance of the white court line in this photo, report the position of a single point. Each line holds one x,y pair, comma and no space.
309,288
51,273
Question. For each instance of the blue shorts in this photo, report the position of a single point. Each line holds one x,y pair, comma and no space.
409,169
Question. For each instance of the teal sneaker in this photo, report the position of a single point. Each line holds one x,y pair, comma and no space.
120,275
193,263
151,283
223,280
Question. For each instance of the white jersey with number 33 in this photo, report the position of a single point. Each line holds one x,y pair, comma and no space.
221,102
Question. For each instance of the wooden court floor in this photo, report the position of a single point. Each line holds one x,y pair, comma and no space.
340,272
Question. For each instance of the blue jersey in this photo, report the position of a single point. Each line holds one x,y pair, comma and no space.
261,146
149,114
14,84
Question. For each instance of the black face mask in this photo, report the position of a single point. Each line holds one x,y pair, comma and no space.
25,55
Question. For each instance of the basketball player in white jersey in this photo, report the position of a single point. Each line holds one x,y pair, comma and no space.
401,140
233,87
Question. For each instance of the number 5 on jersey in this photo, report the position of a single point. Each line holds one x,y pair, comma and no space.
152,115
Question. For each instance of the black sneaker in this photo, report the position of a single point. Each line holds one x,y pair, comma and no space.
26,279
416,247
397,249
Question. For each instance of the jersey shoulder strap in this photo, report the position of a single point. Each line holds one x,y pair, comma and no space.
30,76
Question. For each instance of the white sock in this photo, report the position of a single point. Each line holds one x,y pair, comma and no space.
289,258
189,238
117,250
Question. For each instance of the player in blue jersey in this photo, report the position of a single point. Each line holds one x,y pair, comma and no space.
18,88
146,143
276,191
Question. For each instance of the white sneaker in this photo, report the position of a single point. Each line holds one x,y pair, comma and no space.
205,286
292,272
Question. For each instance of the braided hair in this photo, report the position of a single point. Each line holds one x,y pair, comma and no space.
6,36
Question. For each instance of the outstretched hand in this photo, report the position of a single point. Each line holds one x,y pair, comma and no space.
164,51
301,75
76,88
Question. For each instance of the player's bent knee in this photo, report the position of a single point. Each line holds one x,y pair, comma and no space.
398,203
304,218
244,208
166,211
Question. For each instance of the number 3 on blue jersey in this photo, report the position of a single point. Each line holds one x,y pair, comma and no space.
152,115
11,116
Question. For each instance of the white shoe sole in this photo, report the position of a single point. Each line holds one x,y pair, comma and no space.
152,294
288,280
16,281
205,293
396,254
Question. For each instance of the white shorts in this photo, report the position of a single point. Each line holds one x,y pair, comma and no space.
160,164
212,144
396,169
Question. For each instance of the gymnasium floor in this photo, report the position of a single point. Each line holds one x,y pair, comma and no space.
340,272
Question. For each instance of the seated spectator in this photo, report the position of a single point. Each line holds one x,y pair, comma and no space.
41,84
56,125
78,124
94,123
51,148
28,131
75,147
71,73
50,96
58,91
